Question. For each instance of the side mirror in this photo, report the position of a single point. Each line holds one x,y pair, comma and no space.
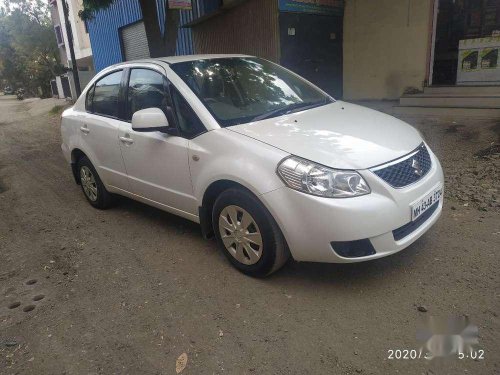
150,120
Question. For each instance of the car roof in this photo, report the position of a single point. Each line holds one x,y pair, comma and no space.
169,60
183,58
176,59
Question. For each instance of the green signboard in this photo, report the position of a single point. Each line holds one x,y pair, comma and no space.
325,7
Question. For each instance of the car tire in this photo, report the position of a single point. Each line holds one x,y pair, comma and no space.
92,186
247,234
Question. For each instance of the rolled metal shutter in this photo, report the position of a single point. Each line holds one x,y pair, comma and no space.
134,41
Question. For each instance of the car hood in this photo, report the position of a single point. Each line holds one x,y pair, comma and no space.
339,135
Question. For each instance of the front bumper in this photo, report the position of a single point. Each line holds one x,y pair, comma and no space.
310,224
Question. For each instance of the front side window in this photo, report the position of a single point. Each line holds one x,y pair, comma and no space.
189,123
146,89
241,90
105,100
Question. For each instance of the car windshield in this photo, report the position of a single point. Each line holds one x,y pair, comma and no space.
241,90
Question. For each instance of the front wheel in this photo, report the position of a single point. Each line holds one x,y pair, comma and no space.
247,233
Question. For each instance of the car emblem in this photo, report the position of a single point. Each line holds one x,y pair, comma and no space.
416,166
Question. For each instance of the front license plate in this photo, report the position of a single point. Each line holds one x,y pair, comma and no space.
422,205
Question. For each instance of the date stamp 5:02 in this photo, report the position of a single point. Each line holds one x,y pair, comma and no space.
410,354
443,337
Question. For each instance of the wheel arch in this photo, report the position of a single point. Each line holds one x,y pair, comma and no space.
76,155
209,196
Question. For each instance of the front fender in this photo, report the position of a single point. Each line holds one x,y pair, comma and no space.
226,155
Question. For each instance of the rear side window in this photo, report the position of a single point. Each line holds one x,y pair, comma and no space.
146,89
89,99
189,123
105,98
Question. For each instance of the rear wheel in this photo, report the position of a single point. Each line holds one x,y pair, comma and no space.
92,186
247,233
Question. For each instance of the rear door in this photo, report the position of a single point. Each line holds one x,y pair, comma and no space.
99,130
157,163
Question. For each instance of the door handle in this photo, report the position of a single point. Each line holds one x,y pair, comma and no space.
85,130
127,140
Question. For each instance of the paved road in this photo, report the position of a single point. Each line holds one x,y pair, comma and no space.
128,290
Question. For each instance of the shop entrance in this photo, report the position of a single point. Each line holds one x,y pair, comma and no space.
311,46
467,41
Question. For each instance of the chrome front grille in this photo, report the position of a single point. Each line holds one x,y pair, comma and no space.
407,170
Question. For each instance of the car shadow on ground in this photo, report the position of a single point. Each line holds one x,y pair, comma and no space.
156,216
312,273
362,272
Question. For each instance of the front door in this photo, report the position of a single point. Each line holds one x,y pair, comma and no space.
156,163
311,46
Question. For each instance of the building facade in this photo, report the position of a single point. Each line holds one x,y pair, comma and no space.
118,34
64,85
354,49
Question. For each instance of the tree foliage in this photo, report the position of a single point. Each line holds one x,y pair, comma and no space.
90,7
29,57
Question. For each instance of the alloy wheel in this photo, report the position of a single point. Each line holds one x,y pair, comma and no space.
240,234
88,182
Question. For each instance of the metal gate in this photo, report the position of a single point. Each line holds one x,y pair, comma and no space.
134,41
65,86
53,86
311,45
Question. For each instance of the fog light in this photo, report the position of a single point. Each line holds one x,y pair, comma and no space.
353,249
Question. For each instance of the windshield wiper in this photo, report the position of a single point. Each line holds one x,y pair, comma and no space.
288,109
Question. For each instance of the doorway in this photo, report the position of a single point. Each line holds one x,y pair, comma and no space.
461,20
311,46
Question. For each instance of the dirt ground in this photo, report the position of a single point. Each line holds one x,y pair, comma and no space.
130,289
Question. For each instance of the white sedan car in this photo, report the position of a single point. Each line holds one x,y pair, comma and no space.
261,158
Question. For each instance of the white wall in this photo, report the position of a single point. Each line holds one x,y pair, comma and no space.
386,44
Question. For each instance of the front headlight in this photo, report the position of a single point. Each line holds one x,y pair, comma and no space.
315,179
